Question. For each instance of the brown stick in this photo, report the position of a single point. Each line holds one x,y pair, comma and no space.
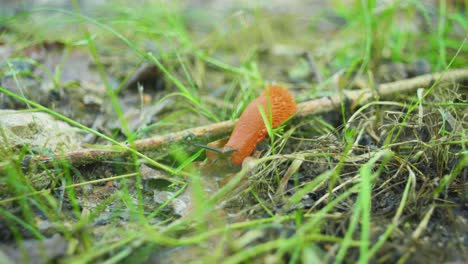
385,90
158,145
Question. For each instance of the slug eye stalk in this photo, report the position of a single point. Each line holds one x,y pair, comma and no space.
221,151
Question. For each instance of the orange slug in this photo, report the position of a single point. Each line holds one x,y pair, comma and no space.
278,103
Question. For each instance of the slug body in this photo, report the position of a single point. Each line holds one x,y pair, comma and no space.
277,103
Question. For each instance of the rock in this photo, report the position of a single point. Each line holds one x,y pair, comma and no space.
181,206
35,251
39,131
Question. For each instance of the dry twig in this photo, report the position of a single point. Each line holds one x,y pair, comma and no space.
158,145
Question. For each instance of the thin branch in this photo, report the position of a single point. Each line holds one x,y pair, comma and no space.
160,145
363,96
